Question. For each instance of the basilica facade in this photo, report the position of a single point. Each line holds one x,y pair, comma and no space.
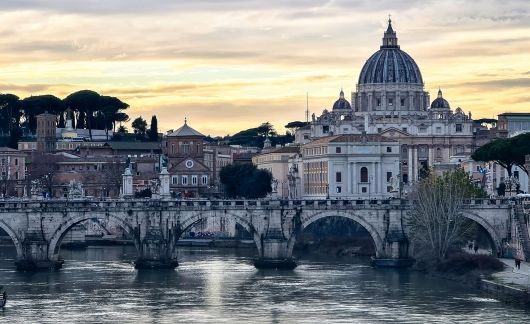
390,103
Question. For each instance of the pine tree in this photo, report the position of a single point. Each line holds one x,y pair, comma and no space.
153,130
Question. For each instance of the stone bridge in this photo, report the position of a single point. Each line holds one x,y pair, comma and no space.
38,227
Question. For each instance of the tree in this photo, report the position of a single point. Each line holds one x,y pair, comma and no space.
139,126
86,101
110,112
153,130
43,171
294,125
10,113
246,181
36,105
435,221
506,152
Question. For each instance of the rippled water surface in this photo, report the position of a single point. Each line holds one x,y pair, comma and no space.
99,285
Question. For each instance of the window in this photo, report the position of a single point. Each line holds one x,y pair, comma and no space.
390,101
516,174
338,189
458,128
204,180
363,189
438,130
402,102
16,175
16,161
184,180
338,177
422,129
338,150
378,102
364,174
438,153
388,176
404,129
194,180
389,149
174,180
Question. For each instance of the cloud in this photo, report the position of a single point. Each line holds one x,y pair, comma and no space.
243,61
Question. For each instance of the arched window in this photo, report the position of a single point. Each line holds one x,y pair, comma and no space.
364,174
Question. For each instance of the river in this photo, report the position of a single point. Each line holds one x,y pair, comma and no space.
99,285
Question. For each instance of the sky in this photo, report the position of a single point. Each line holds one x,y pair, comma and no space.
228,65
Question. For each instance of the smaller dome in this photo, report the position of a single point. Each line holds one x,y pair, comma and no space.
440,102
341,103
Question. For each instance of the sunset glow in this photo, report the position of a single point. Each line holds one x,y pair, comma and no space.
229,65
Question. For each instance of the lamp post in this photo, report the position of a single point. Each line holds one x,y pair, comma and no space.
327,190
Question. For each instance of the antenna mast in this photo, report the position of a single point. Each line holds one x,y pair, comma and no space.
307,107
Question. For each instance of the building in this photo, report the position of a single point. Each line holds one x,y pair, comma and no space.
13,172
46,129
347,166
190,177
514,123
276,161
390,101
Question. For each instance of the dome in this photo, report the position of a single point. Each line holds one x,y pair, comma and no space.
390,64
341,103
440,102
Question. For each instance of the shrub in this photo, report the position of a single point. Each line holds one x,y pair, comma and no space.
461,263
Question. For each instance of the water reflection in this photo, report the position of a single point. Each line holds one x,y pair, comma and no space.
100,285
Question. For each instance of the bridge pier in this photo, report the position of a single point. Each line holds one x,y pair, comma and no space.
35,255
274,252
155,252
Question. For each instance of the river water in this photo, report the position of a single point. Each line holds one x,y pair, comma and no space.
99,285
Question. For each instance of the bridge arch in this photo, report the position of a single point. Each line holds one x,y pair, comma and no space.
495,239
61,230
308,220
14,238
242,221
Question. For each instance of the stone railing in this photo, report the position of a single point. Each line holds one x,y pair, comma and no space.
191,204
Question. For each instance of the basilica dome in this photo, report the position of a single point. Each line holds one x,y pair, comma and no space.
341,103
390,64
440,102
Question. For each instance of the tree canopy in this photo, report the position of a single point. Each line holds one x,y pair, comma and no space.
506,152
88,108
245,181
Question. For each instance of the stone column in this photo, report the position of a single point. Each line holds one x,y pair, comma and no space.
127,184
354,178
381,179
349,178
164,183
409,164
415,158
431,156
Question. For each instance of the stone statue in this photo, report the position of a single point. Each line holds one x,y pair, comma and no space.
163,161
274,185
128,162
75,190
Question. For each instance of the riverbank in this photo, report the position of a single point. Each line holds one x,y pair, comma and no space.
504,283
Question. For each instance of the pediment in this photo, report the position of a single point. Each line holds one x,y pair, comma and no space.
188,165
393,132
